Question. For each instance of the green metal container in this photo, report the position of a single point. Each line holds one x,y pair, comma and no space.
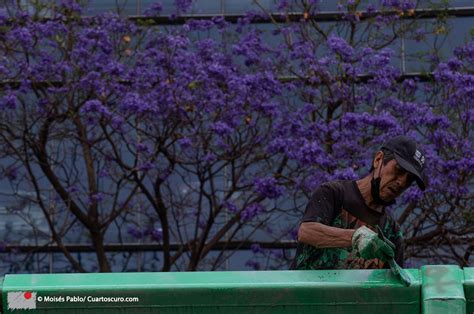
469,289
442,290
332,291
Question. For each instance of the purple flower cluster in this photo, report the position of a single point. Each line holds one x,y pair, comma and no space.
251,211
135,232
341,47
402,5
96,198
182,6
222,128
256,248
157,234
154,10
71,5
8,102
95,106
268,187
230,206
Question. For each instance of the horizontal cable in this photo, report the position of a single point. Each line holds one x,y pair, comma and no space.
143,247
422,77
327,16
152,247
324,16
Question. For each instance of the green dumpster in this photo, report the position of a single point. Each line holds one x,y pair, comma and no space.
341,291
442,290
469,289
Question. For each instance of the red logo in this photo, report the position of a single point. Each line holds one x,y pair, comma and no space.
27,295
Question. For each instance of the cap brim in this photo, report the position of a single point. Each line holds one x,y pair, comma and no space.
408,167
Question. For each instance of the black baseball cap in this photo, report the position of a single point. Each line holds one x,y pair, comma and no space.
409,156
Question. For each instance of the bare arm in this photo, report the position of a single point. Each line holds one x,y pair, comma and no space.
322,236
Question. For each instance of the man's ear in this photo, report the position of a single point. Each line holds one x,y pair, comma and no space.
378,159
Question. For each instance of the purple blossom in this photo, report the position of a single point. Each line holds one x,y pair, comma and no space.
310,153
143,148
185,142
251,212
71,5
283,5
23,35
154,10
465,52
220,22
294,234
454,64
3,16
419,35
402,5
9,102
210,157
104,173
341,47
117,122
146,166
131,102
230,206
95,106
164,174
409,85
255,248
72,189
278,145
222,128
268,187
96,197
270,108
135,232
345,174
157,234
182,6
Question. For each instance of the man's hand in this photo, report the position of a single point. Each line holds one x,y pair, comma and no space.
368,245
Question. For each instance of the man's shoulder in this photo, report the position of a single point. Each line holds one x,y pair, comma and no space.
337,186
336,190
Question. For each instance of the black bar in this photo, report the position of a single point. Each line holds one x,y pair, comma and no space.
144,247
153,247
422,77
327,16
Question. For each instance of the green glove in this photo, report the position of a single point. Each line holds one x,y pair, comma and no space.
396,269
368,245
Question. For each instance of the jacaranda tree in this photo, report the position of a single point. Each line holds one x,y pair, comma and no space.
211,133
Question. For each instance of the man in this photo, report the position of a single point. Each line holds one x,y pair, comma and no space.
338,229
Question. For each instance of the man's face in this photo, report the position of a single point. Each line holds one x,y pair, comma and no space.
394,180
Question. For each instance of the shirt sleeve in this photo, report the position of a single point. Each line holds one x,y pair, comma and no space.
322,206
